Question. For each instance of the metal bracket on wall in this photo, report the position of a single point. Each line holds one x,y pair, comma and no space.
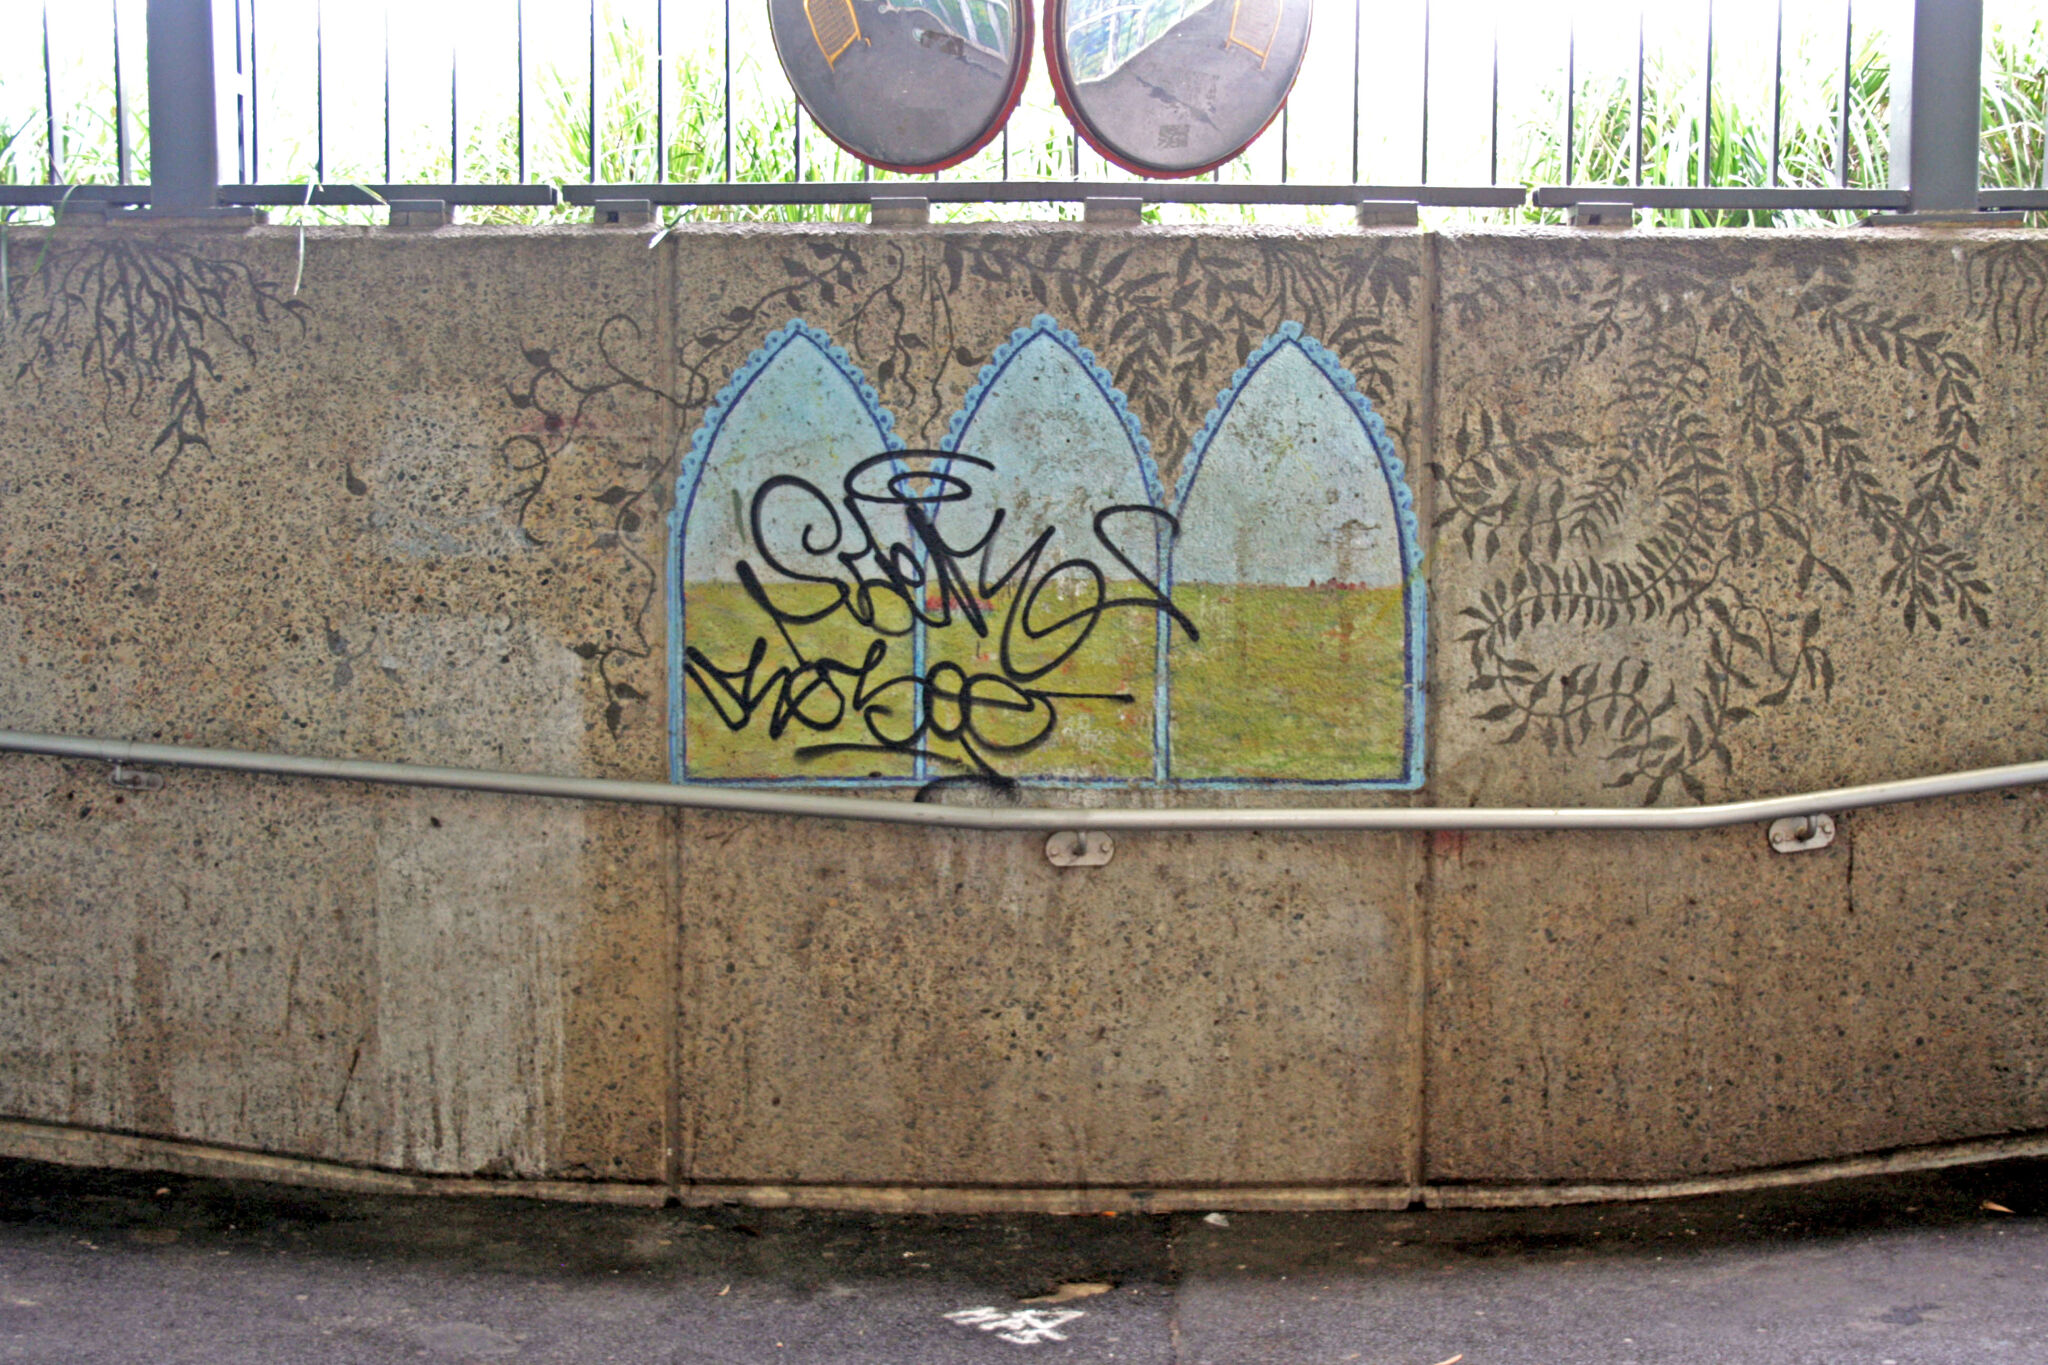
1802,833
632,213
135,780
419,213
1079,848
1389,213
1113,210
1588,214
899,211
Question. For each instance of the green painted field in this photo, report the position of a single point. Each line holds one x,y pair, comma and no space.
723,624
1287,683
1302,683
1091,738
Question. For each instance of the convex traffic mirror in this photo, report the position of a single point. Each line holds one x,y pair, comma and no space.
1168,88
907,85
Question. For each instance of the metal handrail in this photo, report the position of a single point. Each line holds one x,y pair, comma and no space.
1043,819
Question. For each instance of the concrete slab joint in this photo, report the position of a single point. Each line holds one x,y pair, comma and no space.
462,534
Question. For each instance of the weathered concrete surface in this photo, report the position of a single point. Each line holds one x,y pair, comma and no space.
1739,1008
1806,470
967,1014
407,980
416,511
453,984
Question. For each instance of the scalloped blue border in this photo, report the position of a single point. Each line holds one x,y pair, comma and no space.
692,472
1408,530
1045,325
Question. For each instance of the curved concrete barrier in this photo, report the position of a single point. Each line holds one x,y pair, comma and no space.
1371,521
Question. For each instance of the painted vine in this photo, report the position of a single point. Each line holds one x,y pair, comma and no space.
146,320
1674,527
1171,321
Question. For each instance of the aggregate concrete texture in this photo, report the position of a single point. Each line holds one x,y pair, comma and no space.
1706,516
1945,1268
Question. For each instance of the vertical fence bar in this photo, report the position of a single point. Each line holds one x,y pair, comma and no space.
1571,92
1357,19
454,112
1283,144
184,119
1707,104
1423,179
660,98
519,55
1937,106
49,105
320,91
1848,74
387,93
1638,179
255,104
241,104
1777,94
593,91
728,91
121,158
1493,134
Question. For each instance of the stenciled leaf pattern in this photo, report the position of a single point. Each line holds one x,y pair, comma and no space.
1723,465
1173,319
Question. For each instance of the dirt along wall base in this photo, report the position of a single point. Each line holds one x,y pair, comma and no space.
1162,517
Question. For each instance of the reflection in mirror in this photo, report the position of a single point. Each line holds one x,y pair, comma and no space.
1174,87
907,85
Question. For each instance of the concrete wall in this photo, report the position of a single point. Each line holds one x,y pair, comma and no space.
1701,517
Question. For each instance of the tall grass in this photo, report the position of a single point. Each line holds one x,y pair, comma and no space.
771,141
1739,152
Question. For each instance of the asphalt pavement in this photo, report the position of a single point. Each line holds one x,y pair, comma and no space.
1939,1268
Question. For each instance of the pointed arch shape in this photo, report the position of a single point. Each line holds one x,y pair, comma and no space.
704,446
1289,340
1132,475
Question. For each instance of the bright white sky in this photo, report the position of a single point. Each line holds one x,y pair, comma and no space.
1532,41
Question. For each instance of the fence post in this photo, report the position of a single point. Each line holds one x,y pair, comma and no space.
1937,97
184,114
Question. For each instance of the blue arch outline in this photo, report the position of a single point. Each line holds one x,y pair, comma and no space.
1407,532
1047,327
692,473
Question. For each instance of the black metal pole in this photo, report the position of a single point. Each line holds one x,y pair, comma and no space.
320,91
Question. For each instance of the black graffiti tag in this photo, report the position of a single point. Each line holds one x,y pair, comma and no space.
889,701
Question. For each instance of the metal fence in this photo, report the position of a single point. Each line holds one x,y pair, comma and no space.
1621,140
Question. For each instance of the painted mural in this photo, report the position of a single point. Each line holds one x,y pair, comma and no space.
1028,600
